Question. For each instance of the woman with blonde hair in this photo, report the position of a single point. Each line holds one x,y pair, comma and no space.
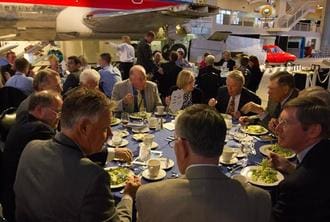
55,65
191,94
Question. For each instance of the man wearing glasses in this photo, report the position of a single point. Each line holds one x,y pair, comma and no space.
203,192
39,123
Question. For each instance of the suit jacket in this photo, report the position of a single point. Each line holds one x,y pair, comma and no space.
273,109
55,182
246,96
28,128
208,69
144,56
151,96
203,194
230,64
71,82
304,195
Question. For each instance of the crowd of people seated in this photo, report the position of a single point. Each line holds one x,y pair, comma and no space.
50,166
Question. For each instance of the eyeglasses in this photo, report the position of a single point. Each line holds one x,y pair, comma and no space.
171,143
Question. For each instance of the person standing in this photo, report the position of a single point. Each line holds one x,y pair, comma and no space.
144,52
126,54
72,80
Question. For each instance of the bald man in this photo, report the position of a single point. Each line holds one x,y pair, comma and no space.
136,93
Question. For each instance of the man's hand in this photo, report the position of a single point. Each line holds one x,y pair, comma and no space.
244,120
281,163
124,154
212,102
273,124
128,99
132,185
160,71
252,107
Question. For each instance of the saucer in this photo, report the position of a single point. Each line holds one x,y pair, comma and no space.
142,130
231,162
154,145
161,175
123,143
166,165
163,114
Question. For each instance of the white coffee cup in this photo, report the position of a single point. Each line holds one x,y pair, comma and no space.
153,121
160,110
116,139
228,154
148,139
153,167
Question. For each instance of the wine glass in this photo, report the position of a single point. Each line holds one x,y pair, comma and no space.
124,118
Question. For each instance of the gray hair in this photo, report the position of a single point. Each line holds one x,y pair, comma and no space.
209,60
83,102
204,128
43,98
89,74
317,92
237,76
312,110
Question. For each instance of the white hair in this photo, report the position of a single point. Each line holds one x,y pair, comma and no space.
89,74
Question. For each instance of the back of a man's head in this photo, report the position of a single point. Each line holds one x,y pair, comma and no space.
43,98
41,80
173,56
204,128
106,57
22,65
83,102
283,78
209,60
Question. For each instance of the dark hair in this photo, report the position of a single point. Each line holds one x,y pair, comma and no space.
83,102
206,54
173,56
204,128
311,110
106,57
42,77
244,61
21,64
151,34
75,59
284,79
43,98
255,61
10,53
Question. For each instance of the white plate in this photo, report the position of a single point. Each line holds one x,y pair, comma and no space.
142,130
132,116
130,173
246,130
247,172
265,151
138,136
161,175
232,161
123,133
115,122
123,143
164,165
154,145
164,114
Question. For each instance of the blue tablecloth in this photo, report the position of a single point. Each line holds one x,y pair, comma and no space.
160,138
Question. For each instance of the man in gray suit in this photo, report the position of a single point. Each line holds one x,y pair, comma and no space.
56,182
203,193
136,93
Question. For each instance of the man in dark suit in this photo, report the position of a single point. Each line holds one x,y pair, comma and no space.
39,123
304,127
209,79
232,97
56,182
281,89
72,80
167,78
144,53
203,192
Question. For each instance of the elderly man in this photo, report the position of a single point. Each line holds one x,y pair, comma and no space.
232,97
136,93
20,79
182,61
281,89
226,61
304,127
144,53
110,75
38,123
209,68
56,182
72,80
89,78
203,193
44,80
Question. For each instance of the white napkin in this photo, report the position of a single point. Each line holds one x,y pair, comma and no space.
169,126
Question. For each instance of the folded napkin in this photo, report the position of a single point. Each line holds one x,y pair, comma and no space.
169,126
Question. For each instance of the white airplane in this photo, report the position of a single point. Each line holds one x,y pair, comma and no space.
98,19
